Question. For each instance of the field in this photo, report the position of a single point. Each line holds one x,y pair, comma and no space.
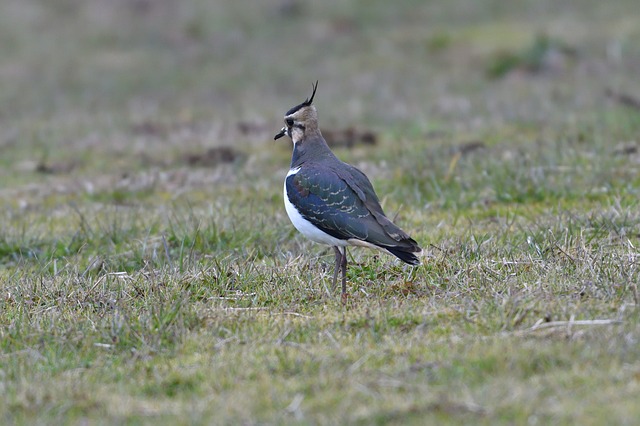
148,270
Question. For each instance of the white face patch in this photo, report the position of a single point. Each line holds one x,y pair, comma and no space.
296,134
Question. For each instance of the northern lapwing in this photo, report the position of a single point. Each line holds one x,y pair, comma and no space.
332,202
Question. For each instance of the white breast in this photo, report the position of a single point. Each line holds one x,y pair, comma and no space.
303,225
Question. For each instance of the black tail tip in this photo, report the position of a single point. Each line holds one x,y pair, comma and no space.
405,256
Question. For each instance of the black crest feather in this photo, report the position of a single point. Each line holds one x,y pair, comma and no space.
307,101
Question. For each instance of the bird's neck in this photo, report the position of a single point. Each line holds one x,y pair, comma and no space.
312,146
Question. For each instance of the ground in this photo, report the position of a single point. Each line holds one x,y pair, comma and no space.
149,272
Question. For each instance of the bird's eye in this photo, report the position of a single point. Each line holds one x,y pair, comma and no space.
289,121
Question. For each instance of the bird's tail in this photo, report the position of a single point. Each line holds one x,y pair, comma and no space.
406,254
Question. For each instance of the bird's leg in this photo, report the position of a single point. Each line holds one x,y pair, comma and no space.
337,267
344,272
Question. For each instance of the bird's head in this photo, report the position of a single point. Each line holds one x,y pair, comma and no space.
300,120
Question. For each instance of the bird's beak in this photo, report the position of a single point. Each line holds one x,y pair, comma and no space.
280,134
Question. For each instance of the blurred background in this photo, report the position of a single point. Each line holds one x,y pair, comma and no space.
114,85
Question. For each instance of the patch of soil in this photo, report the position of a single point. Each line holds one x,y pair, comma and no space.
213,156
349,137
55,168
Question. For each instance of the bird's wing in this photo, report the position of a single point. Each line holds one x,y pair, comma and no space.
337,207
356,179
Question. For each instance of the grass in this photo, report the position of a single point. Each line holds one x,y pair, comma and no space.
139,285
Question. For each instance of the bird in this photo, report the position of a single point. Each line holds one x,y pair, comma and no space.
332,202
